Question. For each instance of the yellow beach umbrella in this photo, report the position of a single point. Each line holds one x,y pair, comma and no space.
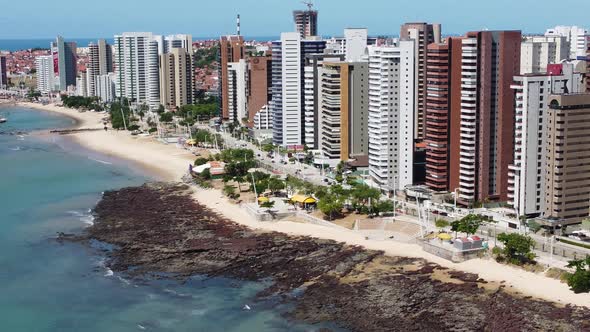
263,199
445,236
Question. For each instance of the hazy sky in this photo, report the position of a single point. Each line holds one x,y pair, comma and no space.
205,18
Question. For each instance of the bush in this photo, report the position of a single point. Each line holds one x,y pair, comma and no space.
201,161
152,130
579,281
133,127
517,248
441,223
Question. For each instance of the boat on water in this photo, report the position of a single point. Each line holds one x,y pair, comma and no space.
3,120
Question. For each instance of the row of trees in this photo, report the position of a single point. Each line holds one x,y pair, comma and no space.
79,102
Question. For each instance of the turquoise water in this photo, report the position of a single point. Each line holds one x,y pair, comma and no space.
48,185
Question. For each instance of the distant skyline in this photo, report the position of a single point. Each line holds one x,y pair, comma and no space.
77,19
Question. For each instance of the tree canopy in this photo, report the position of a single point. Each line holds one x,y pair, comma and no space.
579,281
517,248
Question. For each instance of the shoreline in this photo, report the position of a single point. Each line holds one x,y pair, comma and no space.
171,163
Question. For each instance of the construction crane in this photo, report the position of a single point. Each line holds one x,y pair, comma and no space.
309,4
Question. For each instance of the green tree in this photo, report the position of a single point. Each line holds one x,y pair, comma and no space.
268,205
206,174
331,205
166,117
579,281
230,191
441,223
275,184
362,194
518,248
468,224
381,207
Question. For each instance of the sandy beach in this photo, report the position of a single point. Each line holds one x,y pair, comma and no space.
171,163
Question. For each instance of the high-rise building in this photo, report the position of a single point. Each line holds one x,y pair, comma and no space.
82,85
175,41
343,94
236,91
259,84
576,36
46,79
177,80
65,62
526,190
263,119
137,68
567,162
3,73
306,22
105,87
422,34
231,50
490,60
311,105
356,43
288,82
391,115
443,115
537,52
100,62
588,67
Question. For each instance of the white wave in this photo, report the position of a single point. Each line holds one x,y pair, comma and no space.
123,280
75,213
15,149
141,327
88,220
198,312
100,161
109,273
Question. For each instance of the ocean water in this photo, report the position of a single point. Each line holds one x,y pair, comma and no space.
48,185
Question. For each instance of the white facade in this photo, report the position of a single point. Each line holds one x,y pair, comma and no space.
576,36
537,52
82,85
290,111
105,87
330,111
136,58
263,119
356,44
469,74
236,88
391,115
45,74
526,191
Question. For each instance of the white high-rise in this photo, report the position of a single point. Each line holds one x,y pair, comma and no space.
45,73
526,177
537,52
236,89
391,115
576,36
287,106
356,43
136,58
105,87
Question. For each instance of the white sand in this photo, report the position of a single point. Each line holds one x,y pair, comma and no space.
172,163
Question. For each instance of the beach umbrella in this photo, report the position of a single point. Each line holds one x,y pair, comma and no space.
445,236
262,199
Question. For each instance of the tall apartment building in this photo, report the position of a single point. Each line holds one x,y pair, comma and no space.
100,62
46,79
356,43
567,163
3,73
288,82
490,60
263,119
311,105
538,52
167,43
443,115
65,66
177,79
259,84
391,114
588,67
231,50
422,34
344,110
306,22
137,68
236,91
105,87
526,190
576,36
82,85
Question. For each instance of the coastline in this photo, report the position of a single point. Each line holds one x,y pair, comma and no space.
171,164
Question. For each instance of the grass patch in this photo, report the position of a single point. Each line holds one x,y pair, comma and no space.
586,246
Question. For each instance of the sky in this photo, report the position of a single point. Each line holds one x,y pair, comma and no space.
209,18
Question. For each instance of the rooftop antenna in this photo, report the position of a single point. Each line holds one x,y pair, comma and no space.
238,22
309,4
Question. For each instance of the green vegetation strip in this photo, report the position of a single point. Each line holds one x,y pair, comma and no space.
574,243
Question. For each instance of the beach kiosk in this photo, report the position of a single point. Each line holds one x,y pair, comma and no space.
303,201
